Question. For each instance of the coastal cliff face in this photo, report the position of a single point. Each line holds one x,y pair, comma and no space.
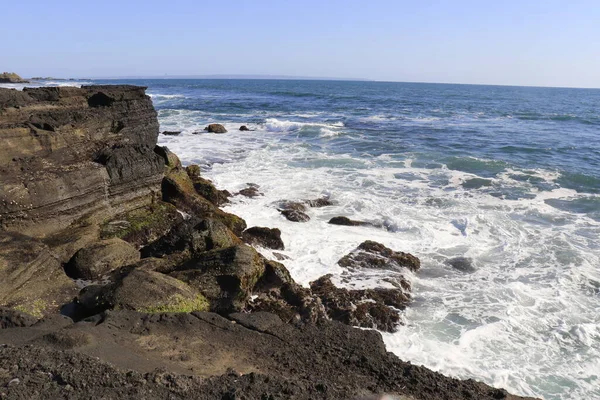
169,282
69,153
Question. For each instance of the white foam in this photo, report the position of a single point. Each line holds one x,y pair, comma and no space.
525,320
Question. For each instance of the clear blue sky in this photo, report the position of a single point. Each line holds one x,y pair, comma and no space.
526,42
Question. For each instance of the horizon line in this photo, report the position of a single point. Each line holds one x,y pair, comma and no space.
305,78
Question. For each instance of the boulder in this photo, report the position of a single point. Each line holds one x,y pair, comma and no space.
100,258
142,225
295,216
348,222
193,236
269,238
251,191
170,159
225,277
142,291
215,128
370,254
171,133
244,128
31,278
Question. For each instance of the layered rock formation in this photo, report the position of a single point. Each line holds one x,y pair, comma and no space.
86,194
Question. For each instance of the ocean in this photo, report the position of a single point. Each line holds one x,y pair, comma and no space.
508,177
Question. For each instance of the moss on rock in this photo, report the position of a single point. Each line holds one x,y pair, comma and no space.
178,304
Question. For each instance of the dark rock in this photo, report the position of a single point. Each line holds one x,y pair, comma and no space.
280,257
251,191
142,225
295,216
244,128
348,222
463,264
100,258
367,308
171,133
219,360
192,236
225,277
215,128
321,202
292,205
269,238
178,189
275,276
143,291
170,159
31,278
371,254
15,319
75,152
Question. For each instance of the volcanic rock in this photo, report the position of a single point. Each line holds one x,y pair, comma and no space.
370,254
463,264
215,128
269,238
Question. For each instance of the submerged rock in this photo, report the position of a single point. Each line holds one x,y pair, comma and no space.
463,264
251,191
320,202
348,222
215,128
265,237
171,133
244,128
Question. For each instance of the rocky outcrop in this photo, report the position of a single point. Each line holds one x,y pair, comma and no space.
244,128
11,77
215,128
73,152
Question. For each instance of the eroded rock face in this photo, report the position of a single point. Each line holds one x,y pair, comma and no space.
31,278
69,152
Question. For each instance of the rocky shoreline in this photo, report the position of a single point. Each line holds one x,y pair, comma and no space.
120,276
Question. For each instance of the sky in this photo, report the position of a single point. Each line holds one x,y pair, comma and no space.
526,42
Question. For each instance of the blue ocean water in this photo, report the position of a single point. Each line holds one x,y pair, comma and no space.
508,177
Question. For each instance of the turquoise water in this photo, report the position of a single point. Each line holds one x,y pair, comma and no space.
506,176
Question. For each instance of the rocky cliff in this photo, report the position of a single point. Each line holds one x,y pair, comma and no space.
69,153
110,248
